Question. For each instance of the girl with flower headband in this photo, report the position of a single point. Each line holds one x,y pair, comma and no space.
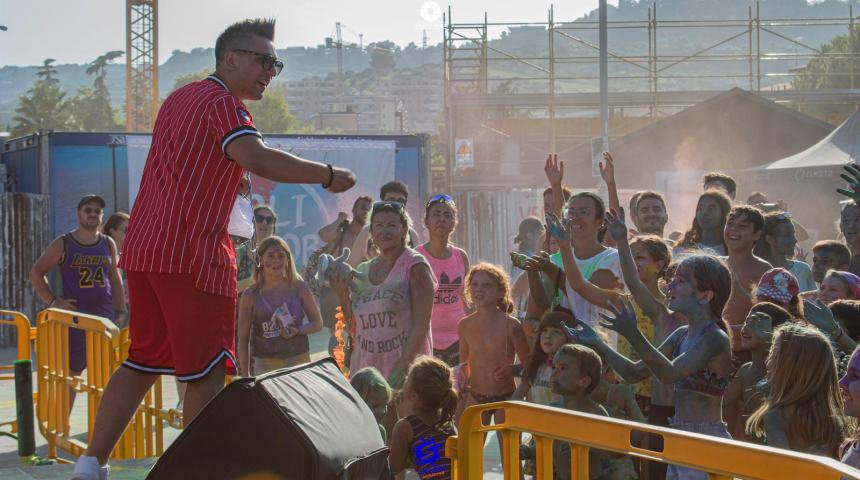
839,285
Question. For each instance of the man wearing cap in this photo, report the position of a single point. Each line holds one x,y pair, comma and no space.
91,282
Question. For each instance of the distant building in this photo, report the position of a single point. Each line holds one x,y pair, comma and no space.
409,103
375,114
346,122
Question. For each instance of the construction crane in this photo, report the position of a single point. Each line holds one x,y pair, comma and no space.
336,41
141,87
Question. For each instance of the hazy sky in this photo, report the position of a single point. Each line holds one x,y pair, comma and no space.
77,31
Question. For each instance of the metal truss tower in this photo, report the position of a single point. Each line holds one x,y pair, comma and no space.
142,100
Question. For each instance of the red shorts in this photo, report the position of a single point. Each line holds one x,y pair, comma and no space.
177,329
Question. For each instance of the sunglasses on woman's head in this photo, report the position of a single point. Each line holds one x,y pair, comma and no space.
388,204
441,198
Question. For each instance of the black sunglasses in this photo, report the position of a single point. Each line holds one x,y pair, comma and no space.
397,206
264,219
268,61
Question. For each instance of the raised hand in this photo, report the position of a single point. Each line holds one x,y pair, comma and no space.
538,263
615,224
819,314
607,169
584,334
342,179
853,179
554,170
519,260
622,320
558,228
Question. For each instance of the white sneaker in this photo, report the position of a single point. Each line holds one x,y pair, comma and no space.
88,468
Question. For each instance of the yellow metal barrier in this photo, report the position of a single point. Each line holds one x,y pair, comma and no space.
722,459
107,347
25,335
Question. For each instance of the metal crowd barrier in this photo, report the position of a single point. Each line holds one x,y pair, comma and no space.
25,335
722,459
107,347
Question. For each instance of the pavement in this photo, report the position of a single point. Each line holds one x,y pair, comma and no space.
10,464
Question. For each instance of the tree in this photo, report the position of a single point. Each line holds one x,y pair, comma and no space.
382,56
92,106
184,80
836,67
45,106
47,72
272,115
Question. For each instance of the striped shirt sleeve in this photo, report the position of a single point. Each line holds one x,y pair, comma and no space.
229,120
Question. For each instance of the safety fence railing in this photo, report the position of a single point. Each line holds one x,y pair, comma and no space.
722,459
25,337
106,348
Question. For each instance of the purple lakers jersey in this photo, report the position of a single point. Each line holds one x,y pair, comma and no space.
86,275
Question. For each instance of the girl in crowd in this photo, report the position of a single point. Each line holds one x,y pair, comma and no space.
780,286
276,314
429,400
490,337
696,357
551,335
535,385
449,265
847,313
116,228
706,233
265,222
375,391
803,409
745,394
777,244
839,285
645,262
388,299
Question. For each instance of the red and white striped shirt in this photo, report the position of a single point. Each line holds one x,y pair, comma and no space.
179,220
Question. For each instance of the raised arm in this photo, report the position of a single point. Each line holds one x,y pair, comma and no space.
630,371
542,293
650,304
667,371
251,153
555,174
328,233
819,314
591,292
607,172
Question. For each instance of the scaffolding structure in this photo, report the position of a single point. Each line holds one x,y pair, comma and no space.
482,79
142,100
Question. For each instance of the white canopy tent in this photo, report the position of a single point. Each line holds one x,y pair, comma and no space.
839,148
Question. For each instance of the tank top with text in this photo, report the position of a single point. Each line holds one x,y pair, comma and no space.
448,299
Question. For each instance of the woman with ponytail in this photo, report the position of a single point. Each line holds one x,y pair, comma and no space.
429,401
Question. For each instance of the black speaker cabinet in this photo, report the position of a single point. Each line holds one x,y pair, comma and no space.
301,423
